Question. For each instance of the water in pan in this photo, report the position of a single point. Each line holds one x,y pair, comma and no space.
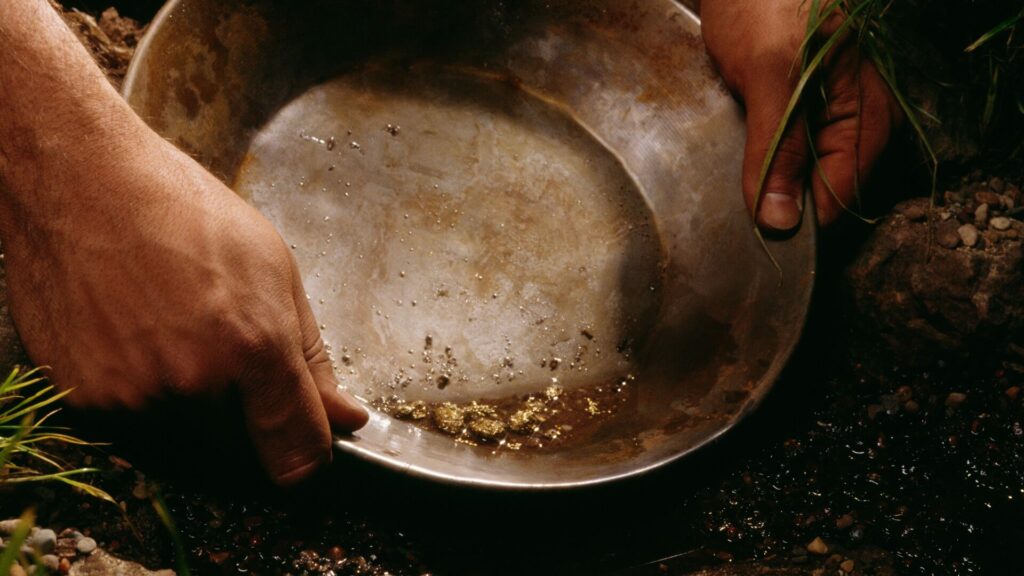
458,211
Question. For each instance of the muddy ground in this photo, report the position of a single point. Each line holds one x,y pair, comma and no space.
874,455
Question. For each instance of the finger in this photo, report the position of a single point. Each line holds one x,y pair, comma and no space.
344,412
285,416
860,119
780,207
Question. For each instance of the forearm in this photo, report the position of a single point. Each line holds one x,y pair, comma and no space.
59,117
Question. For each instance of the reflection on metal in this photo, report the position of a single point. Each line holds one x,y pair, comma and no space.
475,189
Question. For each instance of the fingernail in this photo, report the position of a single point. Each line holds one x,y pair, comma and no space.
355,405
780,211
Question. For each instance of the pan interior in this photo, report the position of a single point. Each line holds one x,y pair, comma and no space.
457,234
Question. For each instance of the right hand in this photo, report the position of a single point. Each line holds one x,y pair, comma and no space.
140,278
755,44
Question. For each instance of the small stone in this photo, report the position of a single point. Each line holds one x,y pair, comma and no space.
955,399
968,235
17,570
1000,223
50,562
987,197
997,185
64,566
844,521
911,407
7,527
44,541
818,546
946,235
85,545
1010,203
847,565
1012,392
914,212
981,215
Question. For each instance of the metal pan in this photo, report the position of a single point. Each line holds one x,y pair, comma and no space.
511,182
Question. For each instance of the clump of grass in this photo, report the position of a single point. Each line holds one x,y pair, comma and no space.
26,405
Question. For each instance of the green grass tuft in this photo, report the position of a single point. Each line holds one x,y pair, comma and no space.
24,434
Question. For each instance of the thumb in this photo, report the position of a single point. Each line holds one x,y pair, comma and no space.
780,205
344,412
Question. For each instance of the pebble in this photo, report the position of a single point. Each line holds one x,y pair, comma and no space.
85,545
986,197
968,235
17,570
997,185
847,565
817,546
1012,392
1009,202
44,540
844,521
7,527
51,562
981,215
955,399
911,407
1000,223
64,566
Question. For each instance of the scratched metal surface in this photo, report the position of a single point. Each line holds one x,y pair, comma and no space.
612,105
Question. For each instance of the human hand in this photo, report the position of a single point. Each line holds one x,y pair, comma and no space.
756,45
139,278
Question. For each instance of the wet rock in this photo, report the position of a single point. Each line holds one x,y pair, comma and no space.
968,235
926,304
1000,223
